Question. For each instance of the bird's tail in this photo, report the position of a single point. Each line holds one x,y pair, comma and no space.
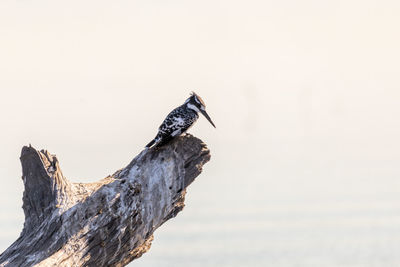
151,143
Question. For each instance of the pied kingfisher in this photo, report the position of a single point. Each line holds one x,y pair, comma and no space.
180,120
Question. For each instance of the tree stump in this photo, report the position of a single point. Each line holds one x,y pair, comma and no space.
106,223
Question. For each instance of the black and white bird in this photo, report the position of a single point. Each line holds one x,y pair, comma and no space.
180,120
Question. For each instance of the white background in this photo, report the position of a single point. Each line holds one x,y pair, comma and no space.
305,96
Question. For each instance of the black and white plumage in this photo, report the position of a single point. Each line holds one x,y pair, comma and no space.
180,120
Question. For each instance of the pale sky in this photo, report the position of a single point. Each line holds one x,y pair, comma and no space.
296,89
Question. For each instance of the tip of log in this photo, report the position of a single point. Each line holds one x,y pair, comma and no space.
192,150
43,182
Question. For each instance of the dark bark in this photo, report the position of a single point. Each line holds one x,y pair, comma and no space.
106,223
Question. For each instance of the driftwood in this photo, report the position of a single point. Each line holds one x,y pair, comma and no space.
106,223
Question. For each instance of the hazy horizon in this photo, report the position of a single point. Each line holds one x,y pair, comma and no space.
305,96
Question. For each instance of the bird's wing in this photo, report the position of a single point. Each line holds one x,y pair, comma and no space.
174,121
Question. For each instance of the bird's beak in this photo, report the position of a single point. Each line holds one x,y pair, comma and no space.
207,117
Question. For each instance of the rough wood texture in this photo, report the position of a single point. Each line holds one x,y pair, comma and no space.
107,223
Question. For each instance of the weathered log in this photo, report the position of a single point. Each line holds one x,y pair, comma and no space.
106,223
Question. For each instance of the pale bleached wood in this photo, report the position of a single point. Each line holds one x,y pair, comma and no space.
107,223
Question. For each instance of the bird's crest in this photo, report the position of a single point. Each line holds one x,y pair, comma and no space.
197,98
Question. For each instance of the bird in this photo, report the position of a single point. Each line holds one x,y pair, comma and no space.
179,120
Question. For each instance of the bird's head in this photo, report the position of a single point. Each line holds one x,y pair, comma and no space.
195,103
